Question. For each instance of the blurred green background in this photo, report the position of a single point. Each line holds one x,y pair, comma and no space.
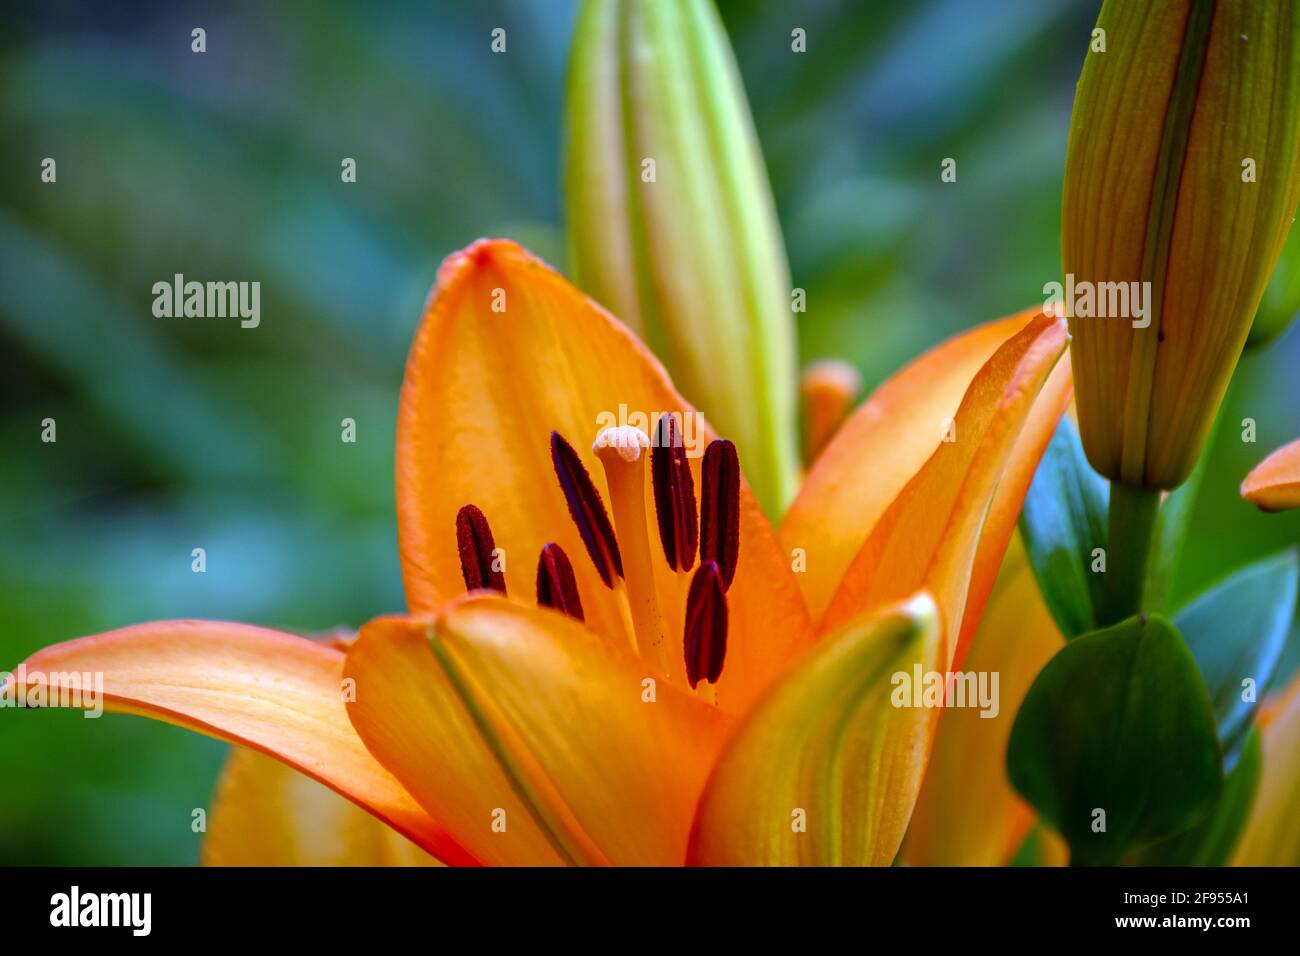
175,434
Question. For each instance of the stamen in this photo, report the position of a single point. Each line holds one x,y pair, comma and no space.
587,510
476,545
705,633
621,450
556,586
720,508
674,495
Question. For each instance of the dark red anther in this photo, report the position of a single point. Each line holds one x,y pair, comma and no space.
674,489
587,510
475,543
705,636
720,508
556,586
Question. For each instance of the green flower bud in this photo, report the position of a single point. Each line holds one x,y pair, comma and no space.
672,225
1181,182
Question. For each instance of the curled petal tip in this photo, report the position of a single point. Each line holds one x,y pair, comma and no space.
1274,484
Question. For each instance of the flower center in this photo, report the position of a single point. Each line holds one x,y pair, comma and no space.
625,561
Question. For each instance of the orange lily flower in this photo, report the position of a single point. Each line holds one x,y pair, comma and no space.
646,707
1274,484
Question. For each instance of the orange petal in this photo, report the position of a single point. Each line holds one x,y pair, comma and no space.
930,536
968,814
825,769
265,813
828,388
876,452
483,391
274,692
1272,835
532,737
1004,511
1274,484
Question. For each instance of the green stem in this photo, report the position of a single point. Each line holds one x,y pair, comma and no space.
1132,523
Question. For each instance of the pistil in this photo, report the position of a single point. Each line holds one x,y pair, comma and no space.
622,451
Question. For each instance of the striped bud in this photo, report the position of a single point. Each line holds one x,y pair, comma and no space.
671,221
1181,181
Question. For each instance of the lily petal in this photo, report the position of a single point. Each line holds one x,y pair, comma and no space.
265,813
1009,498
968,814
829,388
824,771
533,738
947,530
274,692
877,450
1274,484
483,391
1272,836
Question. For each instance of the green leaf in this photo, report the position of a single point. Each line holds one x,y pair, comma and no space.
1062,522
1118,732
1210,842
1236,631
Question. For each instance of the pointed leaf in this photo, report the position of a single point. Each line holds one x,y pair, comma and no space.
1118,732
1236,632
1210,842
1063,522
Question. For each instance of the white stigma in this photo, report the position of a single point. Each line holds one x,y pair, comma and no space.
627,440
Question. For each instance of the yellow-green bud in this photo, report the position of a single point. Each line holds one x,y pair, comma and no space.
1181,183
672,225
